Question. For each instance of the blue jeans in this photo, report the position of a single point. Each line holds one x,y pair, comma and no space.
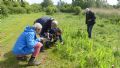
89,30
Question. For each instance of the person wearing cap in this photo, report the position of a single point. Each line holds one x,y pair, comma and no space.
55,33
27,43
90,21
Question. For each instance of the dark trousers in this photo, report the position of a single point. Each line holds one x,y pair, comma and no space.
89,30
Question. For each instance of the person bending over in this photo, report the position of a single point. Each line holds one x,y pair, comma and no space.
56,33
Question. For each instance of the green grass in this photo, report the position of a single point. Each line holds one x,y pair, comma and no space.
102,51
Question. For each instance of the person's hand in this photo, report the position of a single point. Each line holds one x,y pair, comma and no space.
43,40
47,35
62,43
89,20
58,33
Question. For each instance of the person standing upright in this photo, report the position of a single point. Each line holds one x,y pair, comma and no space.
90,21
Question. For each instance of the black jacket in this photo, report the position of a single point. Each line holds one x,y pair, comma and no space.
90,16
45,22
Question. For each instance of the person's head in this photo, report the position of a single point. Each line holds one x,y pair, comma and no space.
87,10
37,27
50,20
54,24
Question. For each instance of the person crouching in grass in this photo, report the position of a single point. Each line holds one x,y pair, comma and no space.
28,43
56,33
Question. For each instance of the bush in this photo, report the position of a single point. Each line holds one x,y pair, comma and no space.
16,4
28,9
36,7
51,10
112,18
67,8
26,6
71,9
8,3
17,10
3,10
77,10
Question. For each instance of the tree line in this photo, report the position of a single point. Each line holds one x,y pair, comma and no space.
21,6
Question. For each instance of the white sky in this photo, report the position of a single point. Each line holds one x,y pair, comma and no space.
112,2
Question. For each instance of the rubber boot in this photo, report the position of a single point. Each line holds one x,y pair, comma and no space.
32,62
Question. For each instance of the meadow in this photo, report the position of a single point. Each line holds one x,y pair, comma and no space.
102,51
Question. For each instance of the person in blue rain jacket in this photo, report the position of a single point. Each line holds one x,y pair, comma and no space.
28,43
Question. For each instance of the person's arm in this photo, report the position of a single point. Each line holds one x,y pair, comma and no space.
30,39
86,22
59,33
60,38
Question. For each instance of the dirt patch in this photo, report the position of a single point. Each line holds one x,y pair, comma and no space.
0,46
1,54
43,60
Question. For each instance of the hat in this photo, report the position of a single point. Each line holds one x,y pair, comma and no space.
55,22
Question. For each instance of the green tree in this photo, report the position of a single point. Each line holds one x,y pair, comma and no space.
89,3
46,3
51,10
118,4
77,10
36,8
60,4
80,3
4,11
101,3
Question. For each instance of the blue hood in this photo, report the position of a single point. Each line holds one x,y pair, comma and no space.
29,29
26,42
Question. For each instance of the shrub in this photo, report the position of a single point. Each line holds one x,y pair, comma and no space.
51,10
28,9
3,10
77,10
8,3
26,6
16,4
67,8
36,7
113,18
70,9
17,10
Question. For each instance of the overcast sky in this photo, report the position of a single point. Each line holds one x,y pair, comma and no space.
112,2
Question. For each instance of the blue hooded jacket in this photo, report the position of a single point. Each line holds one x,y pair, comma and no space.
26,42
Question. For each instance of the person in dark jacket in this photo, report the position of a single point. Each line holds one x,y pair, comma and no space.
28,43
46,22
90,21
56,33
